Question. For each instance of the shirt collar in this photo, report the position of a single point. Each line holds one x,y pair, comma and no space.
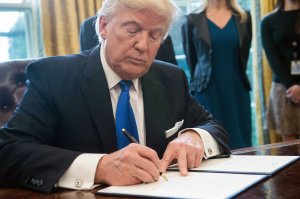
112,78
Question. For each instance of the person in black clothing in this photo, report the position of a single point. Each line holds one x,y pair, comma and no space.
89,39
280,32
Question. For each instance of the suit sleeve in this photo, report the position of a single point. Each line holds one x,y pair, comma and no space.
249,29
188,45
88,36
249,25
166,51
82,40
27,159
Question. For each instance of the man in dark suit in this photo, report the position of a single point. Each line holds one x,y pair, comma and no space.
63,134
89,39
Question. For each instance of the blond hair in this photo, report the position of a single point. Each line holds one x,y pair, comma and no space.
166,8
232,4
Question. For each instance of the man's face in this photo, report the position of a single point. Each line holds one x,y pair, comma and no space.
131,40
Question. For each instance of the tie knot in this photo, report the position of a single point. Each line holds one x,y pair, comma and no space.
125,84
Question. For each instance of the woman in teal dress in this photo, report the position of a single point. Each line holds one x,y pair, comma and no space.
216,40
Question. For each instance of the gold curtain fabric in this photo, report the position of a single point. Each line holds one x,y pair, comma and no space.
266,7
61,21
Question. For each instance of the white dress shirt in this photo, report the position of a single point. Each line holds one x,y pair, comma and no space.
81,173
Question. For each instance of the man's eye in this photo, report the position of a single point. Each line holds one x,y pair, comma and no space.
132,30
156,35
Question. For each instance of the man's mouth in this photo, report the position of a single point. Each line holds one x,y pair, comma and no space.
137,60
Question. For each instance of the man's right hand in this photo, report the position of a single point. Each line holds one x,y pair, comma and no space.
133,164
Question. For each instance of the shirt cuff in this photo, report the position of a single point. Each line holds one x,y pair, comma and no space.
81,173
211,147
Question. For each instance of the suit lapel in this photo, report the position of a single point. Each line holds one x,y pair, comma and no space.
200,22
96,93
154,112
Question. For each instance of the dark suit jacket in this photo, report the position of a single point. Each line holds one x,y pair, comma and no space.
89,39
66,111
197,48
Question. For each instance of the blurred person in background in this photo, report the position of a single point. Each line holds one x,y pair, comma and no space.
280,32
216,40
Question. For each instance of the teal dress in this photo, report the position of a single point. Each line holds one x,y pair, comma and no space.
226,97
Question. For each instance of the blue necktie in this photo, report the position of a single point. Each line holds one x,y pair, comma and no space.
124,116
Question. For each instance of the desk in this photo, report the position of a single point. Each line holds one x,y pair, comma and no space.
283,184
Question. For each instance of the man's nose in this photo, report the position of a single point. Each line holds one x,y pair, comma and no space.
142,41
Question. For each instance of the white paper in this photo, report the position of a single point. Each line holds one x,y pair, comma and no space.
195,185
245,164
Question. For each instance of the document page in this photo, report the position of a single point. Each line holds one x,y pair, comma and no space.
195,185
245,164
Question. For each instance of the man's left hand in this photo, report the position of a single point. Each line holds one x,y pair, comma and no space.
188,149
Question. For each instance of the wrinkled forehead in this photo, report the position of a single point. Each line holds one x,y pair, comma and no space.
145,18
161,7
155,7
141,16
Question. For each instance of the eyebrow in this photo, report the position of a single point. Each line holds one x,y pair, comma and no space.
131,23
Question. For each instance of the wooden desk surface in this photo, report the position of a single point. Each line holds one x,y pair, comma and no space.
283,184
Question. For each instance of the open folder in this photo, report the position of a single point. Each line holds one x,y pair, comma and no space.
215,178
244,164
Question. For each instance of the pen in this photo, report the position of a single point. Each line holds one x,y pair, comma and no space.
133,140
129,136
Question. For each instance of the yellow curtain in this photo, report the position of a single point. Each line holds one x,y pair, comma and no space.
266,7
61,21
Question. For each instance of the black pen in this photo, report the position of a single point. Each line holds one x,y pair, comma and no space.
129,136
133,140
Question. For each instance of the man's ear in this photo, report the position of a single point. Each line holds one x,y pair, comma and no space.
102,26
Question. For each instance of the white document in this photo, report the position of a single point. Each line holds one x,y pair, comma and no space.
195,185
253,164
215,178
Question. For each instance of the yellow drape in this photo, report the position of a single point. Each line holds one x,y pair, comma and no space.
61,21
266,7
